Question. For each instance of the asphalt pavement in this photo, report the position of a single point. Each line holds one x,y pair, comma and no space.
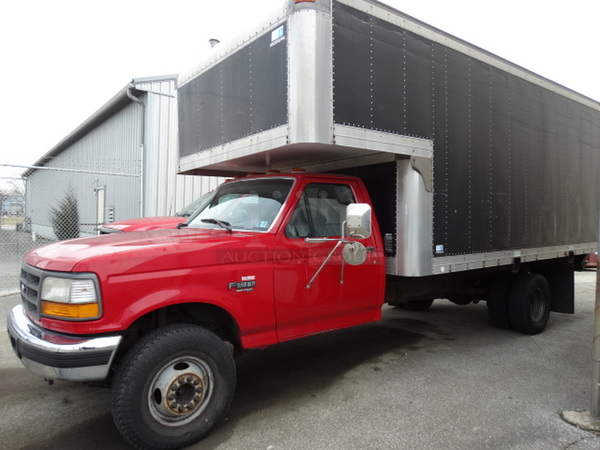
444,378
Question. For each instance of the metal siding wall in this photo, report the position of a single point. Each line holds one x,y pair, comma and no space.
157,151
112,147
190,187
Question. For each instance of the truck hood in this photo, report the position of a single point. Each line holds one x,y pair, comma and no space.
142,251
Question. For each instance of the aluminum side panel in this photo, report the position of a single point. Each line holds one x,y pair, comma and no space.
244,94
310,78
512,152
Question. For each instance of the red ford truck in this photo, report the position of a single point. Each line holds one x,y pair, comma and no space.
431,169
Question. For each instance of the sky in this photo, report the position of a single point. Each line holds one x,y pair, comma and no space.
63,59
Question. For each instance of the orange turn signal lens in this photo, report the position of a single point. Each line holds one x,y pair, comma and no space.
71,311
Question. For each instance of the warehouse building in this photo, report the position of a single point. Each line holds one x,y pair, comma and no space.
121,163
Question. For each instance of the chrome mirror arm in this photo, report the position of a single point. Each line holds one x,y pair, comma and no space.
339,242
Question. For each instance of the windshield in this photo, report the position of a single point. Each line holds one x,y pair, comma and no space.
244,205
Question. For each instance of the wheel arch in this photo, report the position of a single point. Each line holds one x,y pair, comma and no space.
210,316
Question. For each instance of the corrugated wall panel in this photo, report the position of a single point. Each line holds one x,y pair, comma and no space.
108,153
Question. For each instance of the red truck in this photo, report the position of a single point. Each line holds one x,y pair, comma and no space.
163,313
444,172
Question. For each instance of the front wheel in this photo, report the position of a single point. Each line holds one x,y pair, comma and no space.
173,387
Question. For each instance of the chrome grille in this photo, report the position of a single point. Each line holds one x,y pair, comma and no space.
30,289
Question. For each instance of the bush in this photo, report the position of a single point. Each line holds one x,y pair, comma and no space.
65,217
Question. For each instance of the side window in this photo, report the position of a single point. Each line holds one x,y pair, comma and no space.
320,212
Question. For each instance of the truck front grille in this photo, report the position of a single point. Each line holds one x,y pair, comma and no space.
30,290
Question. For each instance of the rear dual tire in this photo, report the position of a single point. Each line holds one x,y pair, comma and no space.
529,303
522,303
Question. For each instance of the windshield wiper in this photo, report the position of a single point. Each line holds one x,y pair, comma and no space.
221,223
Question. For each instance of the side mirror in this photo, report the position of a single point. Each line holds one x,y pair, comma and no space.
358,220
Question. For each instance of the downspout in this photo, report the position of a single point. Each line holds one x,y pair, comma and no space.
142,148
28,219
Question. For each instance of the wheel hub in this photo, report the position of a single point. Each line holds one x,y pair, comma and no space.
185,393
180,391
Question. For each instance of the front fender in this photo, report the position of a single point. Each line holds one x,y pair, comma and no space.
242,291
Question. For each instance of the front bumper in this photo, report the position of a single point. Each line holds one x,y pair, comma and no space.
59,356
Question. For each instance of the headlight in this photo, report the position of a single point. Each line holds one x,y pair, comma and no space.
72,298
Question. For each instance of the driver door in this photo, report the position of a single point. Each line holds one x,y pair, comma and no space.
341,295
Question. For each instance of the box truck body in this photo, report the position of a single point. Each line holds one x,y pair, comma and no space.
502,159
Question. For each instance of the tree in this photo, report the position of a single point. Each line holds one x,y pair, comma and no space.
65,217
17,187
4,196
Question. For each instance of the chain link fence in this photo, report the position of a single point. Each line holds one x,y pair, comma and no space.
14,244
55,205
17,229
15,241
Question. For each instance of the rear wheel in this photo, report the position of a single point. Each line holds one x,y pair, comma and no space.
529,303
173,387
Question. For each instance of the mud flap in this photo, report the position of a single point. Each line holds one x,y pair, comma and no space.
561,279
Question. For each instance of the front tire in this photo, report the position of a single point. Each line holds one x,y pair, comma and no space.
529,303
173,387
